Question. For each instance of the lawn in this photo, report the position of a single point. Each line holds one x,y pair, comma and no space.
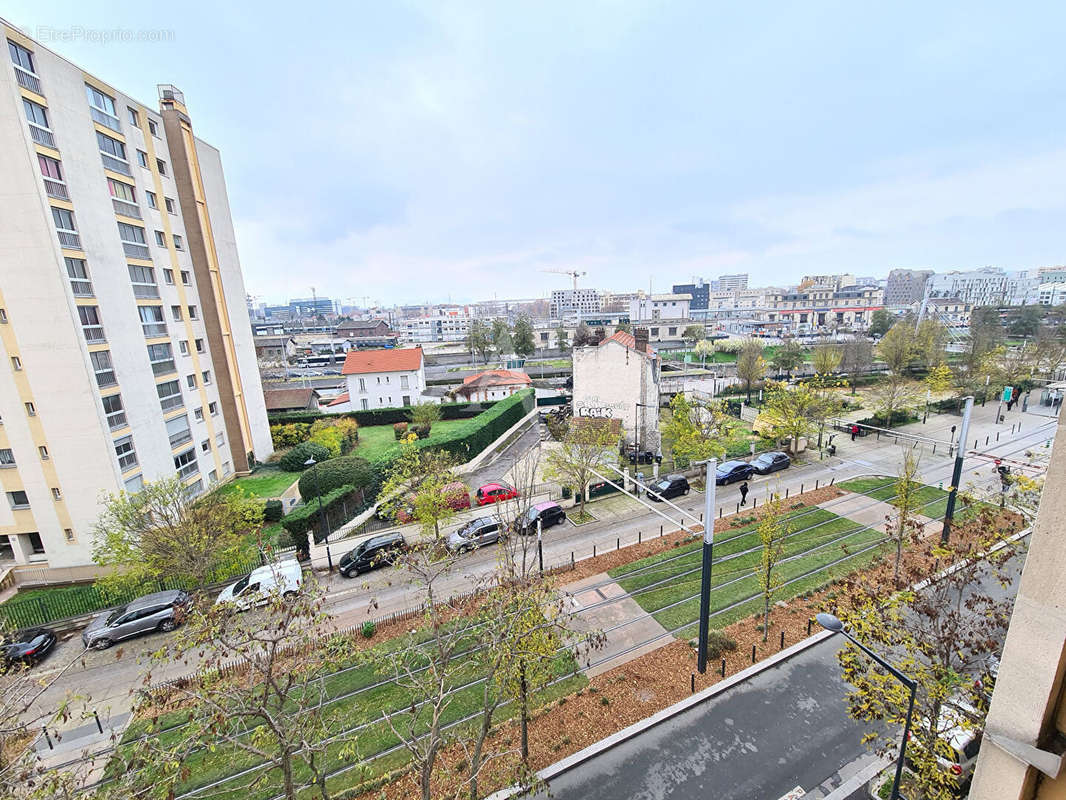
933,501
263,483
819,538
376,441
345,712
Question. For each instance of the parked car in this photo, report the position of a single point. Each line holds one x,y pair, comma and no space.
474,534
458,499
26,646
377,551
548,513
957,745
255,587
162,611
494,493
670,486
771,462
733,471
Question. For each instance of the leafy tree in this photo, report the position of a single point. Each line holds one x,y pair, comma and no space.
1026,322
893,397
501,337
856,357
705,349
560,339
787,357
898,347
986,334
902,522
162,532
939,379
624,327
583,336
274,696
773,529
694,430
826,359
942,636
930,343
425,415
418,482
750,364
880,322
587,447
522,336
795,411
694,333
478,339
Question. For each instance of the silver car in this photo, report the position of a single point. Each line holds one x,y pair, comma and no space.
476,533
162,611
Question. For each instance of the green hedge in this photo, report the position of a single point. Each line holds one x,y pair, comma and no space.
467,440
336,472
295,459
383,416
338,506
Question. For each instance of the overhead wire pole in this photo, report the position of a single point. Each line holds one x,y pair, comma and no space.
956,475
708,554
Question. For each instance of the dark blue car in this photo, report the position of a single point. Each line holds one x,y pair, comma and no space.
733,471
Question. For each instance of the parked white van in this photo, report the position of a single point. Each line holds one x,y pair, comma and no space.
255,587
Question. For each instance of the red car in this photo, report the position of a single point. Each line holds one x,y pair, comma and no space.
494,493
458,500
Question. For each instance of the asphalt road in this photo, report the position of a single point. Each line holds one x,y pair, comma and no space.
785,727
109,679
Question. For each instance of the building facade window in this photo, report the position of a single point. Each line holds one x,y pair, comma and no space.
152,322
126,454
178,430
160,239
18,499
169,396
142,158
183,347
151,199
161,165
102,367
171,208
16,363
213,409
121,191
113,154
7,457
185,463
185,279
161,357
134,484
78,273
115,413
102,108
134,117
199,345
168,277
43,452
31,410
90,324
143,281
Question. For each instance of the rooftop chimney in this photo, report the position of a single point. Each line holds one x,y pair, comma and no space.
641,335
601,334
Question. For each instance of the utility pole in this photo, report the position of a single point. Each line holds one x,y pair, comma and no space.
708,553
956,475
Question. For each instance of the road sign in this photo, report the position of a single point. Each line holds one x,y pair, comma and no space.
1008,392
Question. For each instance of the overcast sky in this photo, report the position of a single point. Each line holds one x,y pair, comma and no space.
451,151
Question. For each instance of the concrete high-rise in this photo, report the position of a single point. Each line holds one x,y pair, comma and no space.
127,354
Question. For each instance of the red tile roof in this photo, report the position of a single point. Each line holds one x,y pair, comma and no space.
360,362
339,400
496,377
626,340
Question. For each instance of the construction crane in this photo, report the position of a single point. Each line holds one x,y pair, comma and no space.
573,273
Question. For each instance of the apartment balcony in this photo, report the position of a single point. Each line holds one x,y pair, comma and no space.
56,189
192,468
180,438
81,288
154,330
144,291
42,136
133,250
171,403
125,208
27,80
94,334
69,239
127,462
104,119
117,420
115,165
163,367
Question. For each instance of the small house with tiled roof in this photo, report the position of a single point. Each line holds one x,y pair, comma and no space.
492,384
387,378
293,399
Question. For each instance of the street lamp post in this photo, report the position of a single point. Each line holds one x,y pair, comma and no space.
636,426
831,623
956,475
708,553
321,513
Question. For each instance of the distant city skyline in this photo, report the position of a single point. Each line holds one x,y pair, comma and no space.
410,152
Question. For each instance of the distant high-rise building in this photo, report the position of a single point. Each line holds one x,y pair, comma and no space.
700,292
127,350
989,286
906,286
312,306
731,283
567,303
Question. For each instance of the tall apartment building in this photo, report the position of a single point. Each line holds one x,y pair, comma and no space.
127,354
990,286
731,283
905,287
574,302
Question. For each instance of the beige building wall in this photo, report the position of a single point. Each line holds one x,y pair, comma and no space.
1028,707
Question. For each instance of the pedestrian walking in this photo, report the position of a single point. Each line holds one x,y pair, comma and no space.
744,493
854,432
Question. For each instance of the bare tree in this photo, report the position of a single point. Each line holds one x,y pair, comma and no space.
751,366
856,357
901,523
587,447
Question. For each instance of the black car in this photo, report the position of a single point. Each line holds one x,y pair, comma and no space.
670,486
377,551
733,471
548,513
771,462
26,647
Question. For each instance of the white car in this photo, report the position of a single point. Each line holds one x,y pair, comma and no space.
255,588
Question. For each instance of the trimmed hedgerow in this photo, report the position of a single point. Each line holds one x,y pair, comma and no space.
337,472
294,460
384,416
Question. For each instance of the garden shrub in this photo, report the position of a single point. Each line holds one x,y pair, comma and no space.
329,438
421,431
289,434
273,511
293,461
369,629
338,506
334,473
399,430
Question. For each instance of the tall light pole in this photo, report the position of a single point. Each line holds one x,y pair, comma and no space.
708,554
831,623
318,490
956,475
636,425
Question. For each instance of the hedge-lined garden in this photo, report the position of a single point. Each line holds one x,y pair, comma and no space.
380,416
